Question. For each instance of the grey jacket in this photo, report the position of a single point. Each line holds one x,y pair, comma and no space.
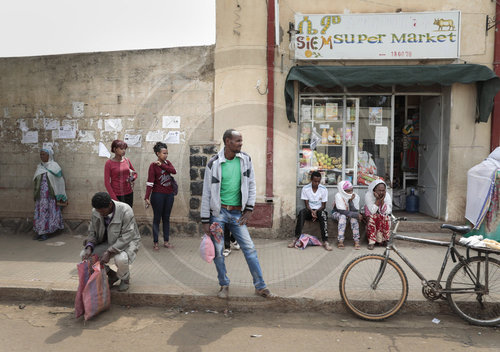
210,201
123,233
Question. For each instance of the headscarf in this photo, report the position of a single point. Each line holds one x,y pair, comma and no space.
54,175
342,197
386,208
480,185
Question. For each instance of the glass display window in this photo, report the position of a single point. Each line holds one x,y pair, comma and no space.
344,138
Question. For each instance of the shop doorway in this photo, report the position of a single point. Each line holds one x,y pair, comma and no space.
417,152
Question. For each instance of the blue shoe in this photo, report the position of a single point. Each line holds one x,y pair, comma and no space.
42,237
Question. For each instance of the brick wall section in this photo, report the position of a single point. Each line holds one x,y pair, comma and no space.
199,155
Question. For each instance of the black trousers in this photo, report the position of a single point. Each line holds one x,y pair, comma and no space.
228,237
127,198
305,214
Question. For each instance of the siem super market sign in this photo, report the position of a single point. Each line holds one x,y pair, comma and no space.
421,35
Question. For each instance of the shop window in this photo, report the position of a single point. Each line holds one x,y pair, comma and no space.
344,138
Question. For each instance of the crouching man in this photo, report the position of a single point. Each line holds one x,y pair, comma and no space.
113,233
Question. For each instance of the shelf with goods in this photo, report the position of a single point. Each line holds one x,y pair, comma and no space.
327,140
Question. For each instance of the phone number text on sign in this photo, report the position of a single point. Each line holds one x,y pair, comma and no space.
401,53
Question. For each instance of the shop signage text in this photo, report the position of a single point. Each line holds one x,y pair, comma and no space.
429,35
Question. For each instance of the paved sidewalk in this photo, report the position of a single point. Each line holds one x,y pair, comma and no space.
302,279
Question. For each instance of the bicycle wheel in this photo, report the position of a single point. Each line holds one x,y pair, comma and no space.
364,301
472,303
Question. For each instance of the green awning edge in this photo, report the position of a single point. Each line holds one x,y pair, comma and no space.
487,82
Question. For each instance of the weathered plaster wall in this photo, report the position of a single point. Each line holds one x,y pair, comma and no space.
135,87
469,145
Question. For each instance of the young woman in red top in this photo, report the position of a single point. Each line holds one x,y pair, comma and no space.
160,188
119,174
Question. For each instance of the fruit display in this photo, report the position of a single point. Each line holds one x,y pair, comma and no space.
326,162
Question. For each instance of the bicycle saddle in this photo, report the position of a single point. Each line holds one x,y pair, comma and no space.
459,229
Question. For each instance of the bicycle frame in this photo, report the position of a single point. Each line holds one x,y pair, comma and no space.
450,251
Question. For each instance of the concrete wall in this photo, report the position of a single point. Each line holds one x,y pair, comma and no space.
135,87
240,65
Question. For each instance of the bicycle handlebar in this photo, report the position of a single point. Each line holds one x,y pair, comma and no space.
395,219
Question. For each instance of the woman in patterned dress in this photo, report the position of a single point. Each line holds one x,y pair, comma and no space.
378,209
49,194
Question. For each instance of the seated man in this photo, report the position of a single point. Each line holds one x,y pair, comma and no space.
315,197
113,233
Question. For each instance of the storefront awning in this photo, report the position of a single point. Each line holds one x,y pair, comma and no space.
487,82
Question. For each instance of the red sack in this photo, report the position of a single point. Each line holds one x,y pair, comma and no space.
96,295
84,271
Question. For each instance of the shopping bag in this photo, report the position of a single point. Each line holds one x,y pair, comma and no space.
307,240
96,295
84,271
207,249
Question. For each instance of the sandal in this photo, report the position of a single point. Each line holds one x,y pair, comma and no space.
167,245
155,246
327,246
292,244
371,246
357,246
340,245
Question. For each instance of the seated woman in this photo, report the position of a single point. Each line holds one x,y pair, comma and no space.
378,208
346,206
49,194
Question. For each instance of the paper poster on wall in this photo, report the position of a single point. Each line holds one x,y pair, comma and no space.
171,122
68,130
30,137
103,151
51,124
375,116
86,136
22,125
113,125
78,109
133,140
381,135
154,136
173,137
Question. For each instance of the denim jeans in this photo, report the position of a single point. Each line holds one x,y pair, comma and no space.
242,236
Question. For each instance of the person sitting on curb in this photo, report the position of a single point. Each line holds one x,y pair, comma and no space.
315,197
113,233
378,210
347,206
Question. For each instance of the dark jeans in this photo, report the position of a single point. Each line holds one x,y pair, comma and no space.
305,214
162,206
228,238
127,198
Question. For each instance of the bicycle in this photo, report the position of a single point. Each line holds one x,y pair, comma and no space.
375,287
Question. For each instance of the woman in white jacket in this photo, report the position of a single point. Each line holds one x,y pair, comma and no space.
346,206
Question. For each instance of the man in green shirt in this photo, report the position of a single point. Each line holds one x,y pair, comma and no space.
228,199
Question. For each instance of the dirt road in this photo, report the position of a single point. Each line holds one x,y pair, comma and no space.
35,327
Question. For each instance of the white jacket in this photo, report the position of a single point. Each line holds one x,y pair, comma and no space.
210,201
